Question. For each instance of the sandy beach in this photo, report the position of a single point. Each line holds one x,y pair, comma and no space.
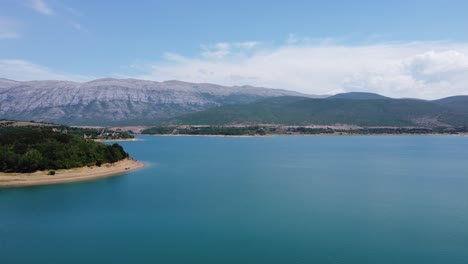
70,175
117,140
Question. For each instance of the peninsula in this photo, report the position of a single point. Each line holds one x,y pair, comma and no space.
40,154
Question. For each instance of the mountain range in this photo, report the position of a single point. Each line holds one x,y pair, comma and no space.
105,102
119,101
361,109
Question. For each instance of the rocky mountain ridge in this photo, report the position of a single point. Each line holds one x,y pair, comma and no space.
118,101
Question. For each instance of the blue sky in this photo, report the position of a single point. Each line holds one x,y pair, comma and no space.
398,48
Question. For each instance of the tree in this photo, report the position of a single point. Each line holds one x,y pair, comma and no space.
31,161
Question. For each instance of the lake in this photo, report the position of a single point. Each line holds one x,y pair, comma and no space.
383,199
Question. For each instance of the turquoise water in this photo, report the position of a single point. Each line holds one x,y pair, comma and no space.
254,200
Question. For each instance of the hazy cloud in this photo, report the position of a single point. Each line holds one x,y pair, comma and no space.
8,29
21,70
76,25
420,69
224,49
62,11
7,34
41,7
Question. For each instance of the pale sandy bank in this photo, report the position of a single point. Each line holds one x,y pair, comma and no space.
117,140
70,175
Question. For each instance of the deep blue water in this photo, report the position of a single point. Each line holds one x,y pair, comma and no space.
254,200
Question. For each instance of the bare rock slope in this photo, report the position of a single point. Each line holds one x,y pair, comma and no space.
118,101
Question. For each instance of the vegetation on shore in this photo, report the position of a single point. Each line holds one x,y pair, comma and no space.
85,132
205,130
258,130
27,149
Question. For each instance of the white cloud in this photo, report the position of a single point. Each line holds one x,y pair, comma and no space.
420,69
423,69
21,70
429,72
438,65
8,29
41,7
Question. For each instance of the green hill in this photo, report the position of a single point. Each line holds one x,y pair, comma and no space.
358,96
330,111
456,103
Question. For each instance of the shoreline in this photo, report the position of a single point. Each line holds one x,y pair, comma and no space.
305,135
8,180
188,135
117,140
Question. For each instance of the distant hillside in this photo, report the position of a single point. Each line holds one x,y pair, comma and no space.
331,111
83,132
115,101
456,103
358,96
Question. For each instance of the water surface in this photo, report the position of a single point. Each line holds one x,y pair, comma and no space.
254,200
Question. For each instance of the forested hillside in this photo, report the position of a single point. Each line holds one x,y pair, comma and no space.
355,109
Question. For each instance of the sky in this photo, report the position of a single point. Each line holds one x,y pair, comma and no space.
395,48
